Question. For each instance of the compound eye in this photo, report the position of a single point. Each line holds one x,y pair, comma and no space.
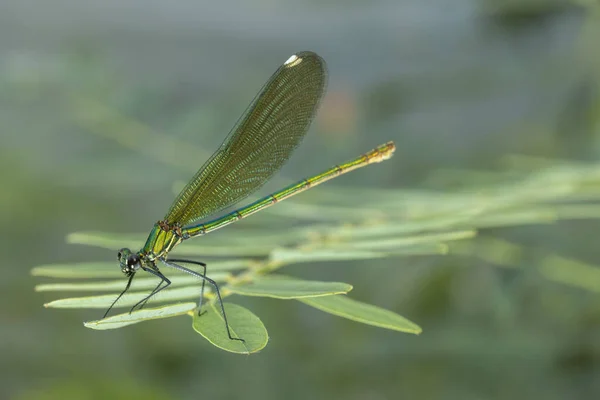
119,255
132,260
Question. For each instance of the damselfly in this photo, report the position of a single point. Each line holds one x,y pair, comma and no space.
256,148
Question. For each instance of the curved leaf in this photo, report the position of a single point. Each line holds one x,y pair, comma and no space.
112,269
138,284
121,320
290,255
286,255
343,306
128,299
242,324
392,243
79,270
289,288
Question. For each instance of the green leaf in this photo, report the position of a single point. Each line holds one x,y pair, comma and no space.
343,306
392,243
242,324
289,288
515,217
121,320
393,228
291,255
138,284
107,240
570,272
79,270
112,269
128,299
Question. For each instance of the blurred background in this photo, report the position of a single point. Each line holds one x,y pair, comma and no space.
99,100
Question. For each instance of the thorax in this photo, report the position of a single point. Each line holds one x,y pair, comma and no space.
162,239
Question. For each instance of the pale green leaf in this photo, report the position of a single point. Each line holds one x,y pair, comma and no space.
291,255
146,314
394,243
310,254
288,288
137,284
242,324
112,269
361,312
80,270
107,241
571,272
515,217
438,222
128,299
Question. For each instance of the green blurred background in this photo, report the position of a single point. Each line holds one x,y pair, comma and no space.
99,99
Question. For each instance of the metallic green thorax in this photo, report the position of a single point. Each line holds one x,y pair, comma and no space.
160,241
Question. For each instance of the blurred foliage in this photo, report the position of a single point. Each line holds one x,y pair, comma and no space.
97,102
406,223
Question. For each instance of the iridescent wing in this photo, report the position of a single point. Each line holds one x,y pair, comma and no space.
259,144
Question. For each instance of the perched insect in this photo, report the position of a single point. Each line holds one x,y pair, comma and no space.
256,148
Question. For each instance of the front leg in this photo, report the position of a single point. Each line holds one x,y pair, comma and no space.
122,293
154,271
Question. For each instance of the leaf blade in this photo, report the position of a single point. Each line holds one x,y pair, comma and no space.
242,324
127,300
147,314
354,310
285,288
138,284
93,269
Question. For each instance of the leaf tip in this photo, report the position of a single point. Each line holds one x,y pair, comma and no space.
90,324
71,237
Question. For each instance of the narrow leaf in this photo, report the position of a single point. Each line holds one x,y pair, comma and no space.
121,320
128,299
112,269
310,254
394,242
289,288
571,272
361,312
106,240
79,270
138,284
290,255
